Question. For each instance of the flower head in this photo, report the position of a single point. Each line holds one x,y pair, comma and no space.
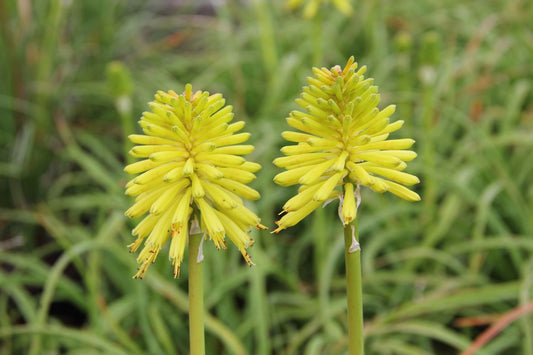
342,142
192,170
311,6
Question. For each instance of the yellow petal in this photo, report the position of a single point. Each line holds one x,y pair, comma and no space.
237,174
405,155
397,176
299,149
296,136
209,171
155,173
166,198
141,166
197,189
225,160
316,172
188,168
291,177
340,162
239,189
168,156
349,207
395,144
402,192
244,215
219,195
285,162
231,139
250,167
327,187
235,149
212,223
359,174
292,218
144,201
181,214
174,174
143,139
376,157
301,199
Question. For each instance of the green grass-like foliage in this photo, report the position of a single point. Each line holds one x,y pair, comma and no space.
461,76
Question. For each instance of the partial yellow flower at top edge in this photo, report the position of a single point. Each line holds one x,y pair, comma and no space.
310,8
192,170
341,142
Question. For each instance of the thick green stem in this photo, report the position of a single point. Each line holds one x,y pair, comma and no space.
196,297
354,292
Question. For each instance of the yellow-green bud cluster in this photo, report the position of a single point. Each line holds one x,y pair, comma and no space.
342,141
192,169
311,7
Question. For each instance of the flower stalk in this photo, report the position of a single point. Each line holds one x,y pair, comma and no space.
196,297
354,290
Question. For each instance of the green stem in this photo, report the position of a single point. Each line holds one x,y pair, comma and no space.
123,105
196,297
267,37
354,293
317,39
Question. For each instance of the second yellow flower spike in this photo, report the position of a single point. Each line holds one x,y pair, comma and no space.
341,141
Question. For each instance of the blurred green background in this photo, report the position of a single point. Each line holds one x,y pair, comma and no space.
76,75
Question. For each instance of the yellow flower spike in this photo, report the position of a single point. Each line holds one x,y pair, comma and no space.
341,141
192,170
341,145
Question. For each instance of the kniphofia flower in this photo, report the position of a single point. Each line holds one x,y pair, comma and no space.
311,7
192,174
342,141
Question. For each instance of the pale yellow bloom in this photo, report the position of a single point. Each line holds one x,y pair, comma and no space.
342,142
311,7
192,170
